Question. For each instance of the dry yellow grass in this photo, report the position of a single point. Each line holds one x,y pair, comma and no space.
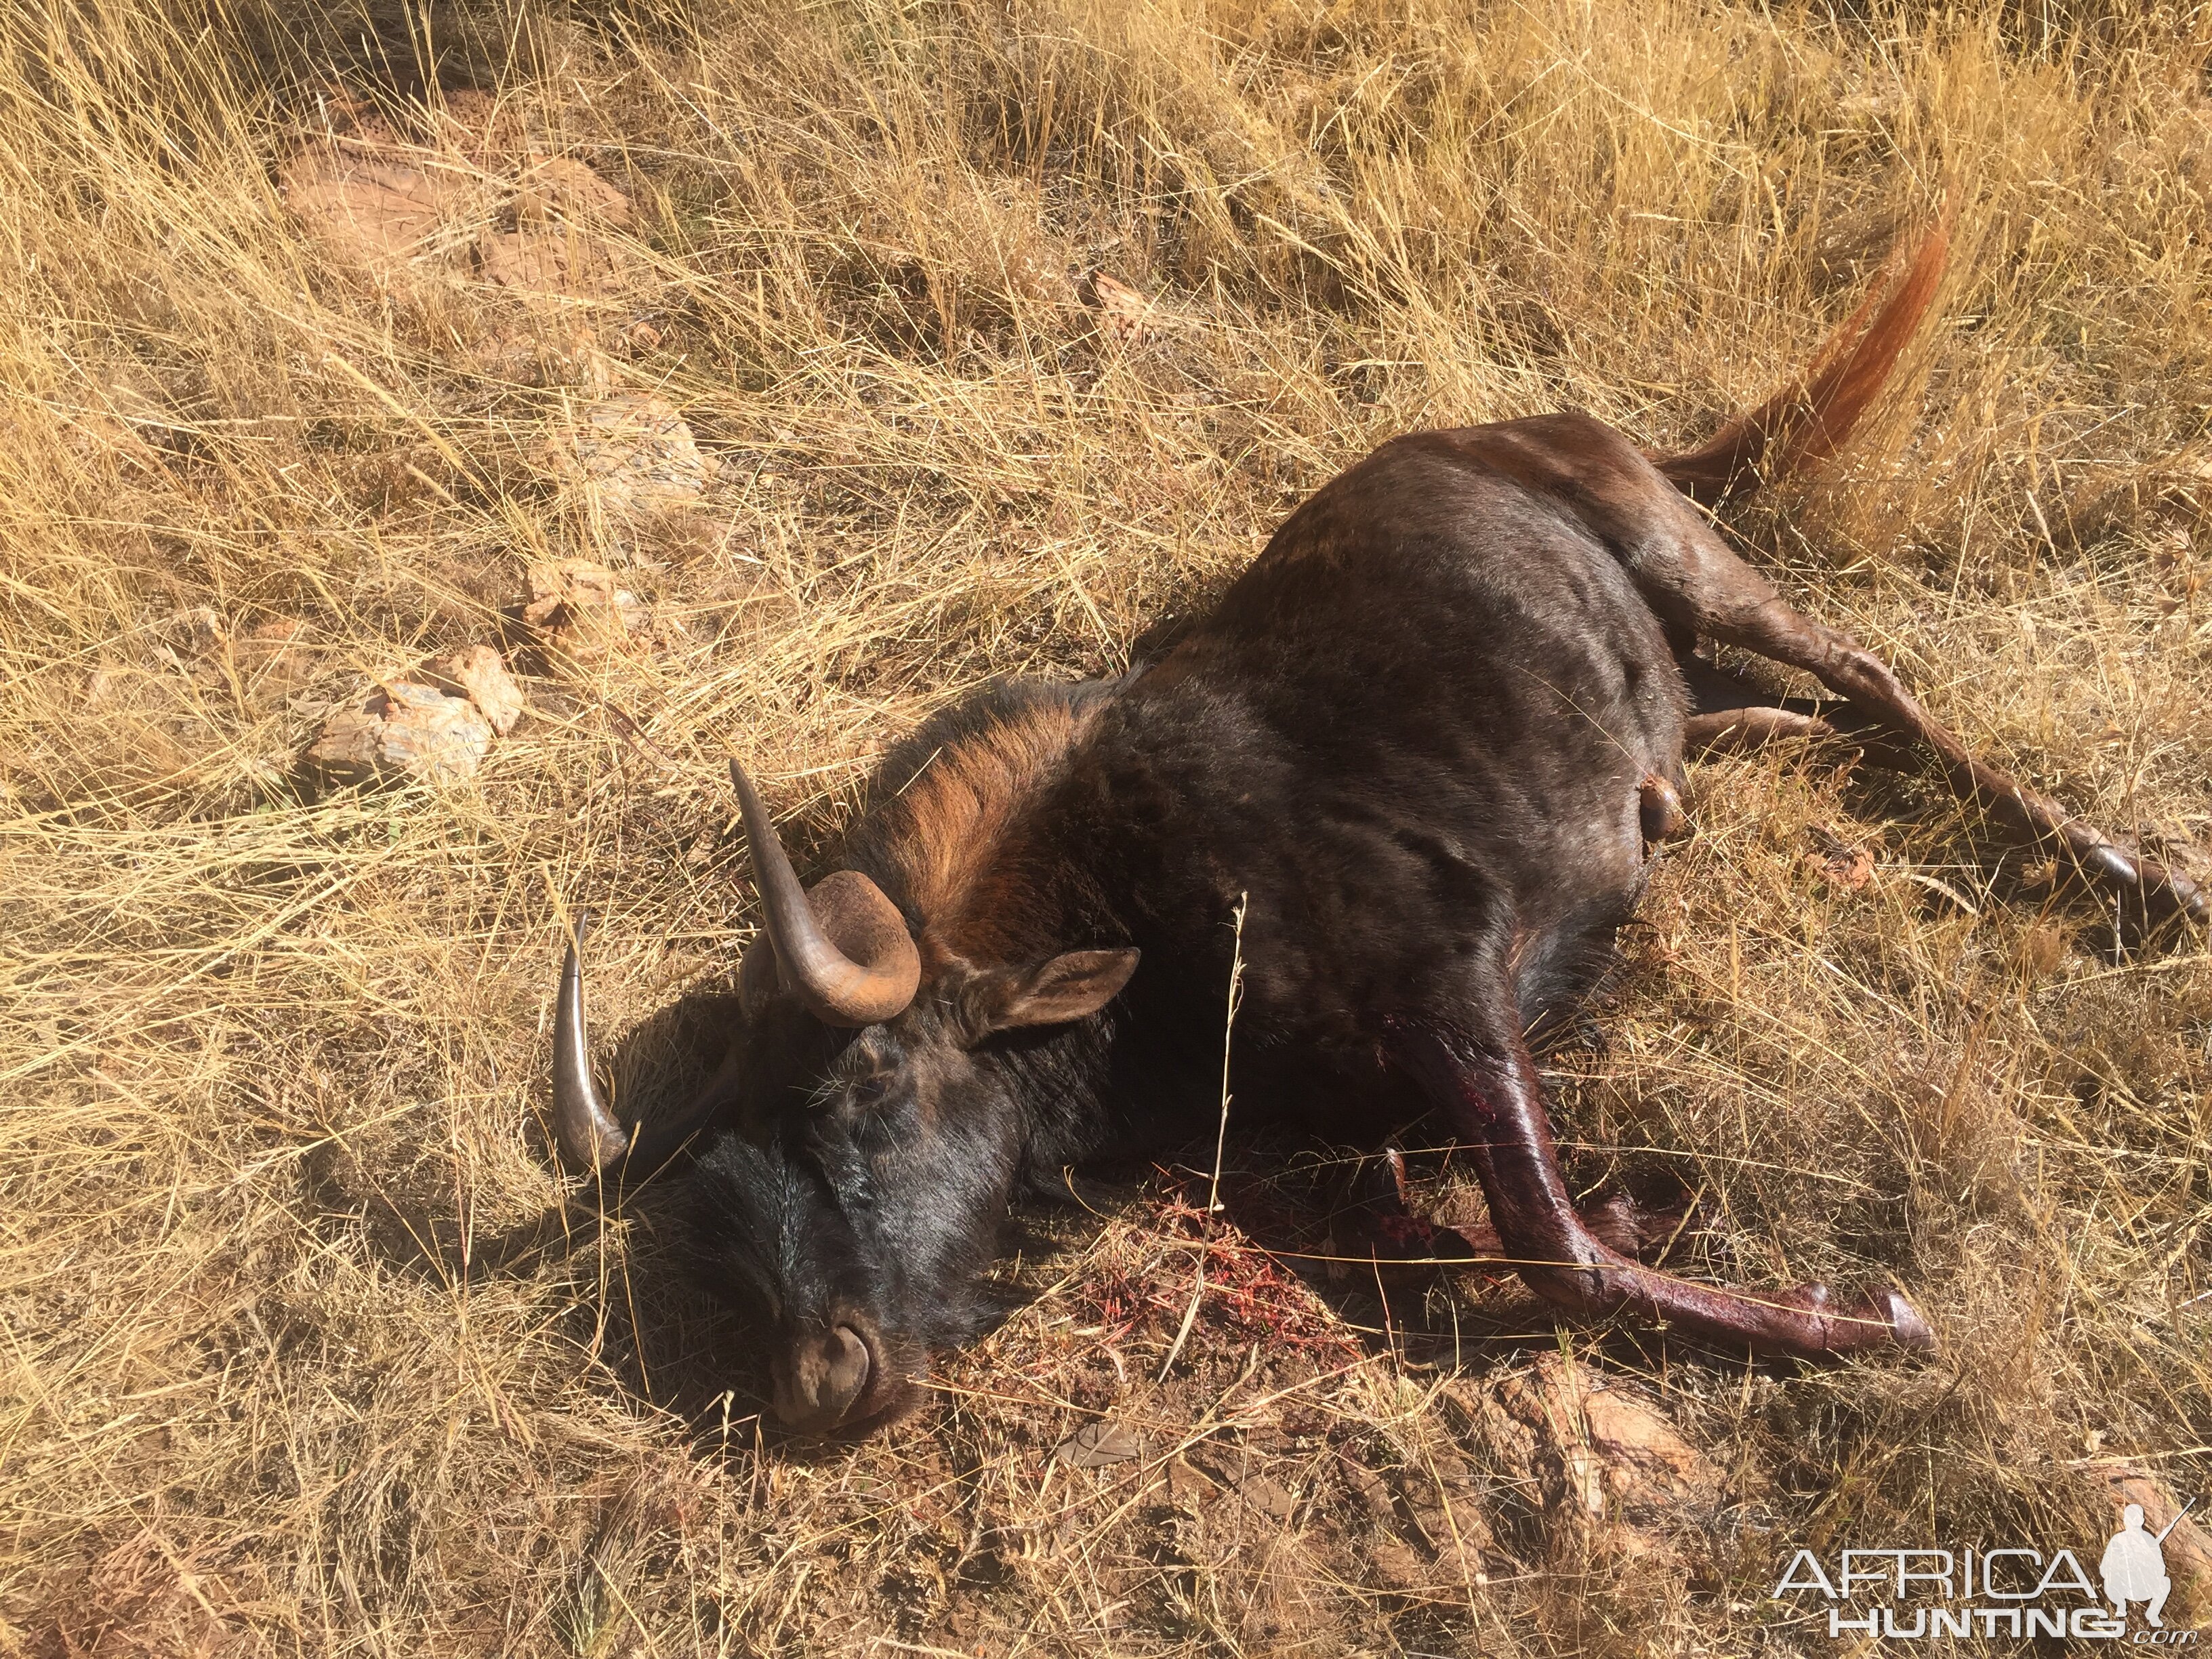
300,1350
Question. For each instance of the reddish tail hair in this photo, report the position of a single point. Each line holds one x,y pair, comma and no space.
1810,421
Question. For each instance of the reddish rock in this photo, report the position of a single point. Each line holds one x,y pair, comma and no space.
469,205
557,249
1598,1452
2188,1547
368,205
551,262
1844,863
436,725
579,611
1123,313
480,675
430,735
561,187
402,731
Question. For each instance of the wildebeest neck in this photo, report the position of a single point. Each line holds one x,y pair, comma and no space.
957,831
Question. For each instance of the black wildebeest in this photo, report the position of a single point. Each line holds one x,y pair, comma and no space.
1431,732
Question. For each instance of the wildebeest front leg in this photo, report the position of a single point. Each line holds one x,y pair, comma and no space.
1693,581
1489,1088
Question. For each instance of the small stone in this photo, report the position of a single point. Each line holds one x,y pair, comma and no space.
1268,1496
1239,1473
479,675
350,748
388,206
633,454
2187,1546
1598,1449
376,211
432,736
402,731
563,186
579,611
1845,863
554,261
1123,313
1094,1445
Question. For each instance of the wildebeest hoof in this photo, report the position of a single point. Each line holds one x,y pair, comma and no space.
1882,1320
1906,1327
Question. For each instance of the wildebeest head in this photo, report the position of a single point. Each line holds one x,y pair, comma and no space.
872,1127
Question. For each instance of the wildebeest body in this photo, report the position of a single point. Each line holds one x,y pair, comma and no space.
1422,741
1410,738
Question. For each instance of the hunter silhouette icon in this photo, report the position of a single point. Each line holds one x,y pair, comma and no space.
2134,1567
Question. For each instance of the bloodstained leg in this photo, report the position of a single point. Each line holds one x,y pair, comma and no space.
1846,666
1490,1090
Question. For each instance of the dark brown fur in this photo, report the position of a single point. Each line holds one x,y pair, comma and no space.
1421,745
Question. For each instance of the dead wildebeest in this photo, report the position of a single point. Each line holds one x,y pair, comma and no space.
1431,734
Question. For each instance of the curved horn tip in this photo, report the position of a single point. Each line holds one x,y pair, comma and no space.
810,932
590,1137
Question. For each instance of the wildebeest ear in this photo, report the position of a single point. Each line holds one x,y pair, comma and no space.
1048,993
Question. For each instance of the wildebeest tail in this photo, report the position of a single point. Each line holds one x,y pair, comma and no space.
1809,421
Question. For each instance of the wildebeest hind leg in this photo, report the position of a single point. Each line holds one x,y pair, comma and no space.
1695,583
1488,1087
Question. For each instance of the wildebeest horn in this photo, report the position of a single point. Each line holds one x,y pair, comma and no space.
589,1136
843,947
